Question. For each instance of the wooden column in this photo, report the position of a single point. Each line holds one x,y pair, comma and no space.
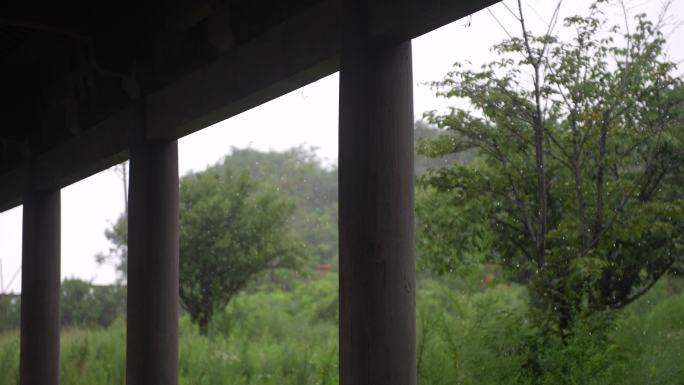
152,323
40,289
377,242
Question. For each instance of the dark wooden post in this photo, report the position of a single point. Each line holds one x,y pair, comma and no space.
152,324
40,289
377,245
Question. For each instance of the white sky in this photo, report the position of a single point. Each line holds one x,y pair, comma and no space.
307,116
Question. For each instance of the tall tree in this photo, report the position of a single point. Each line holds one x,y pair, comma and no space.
579,156
232,228
117,235
298,173
9,311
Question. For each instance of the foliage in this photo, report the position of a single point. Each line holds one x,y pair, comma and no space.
448,240
94,356
117,235
304,200
424,132
283,338
475,338
299,174
77,302
9,358
651,335
9,312
480,337
268,338
296,174
231,229
574,188
84,304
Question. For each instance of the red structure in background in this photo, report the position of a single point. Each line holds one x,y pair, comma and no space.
324,269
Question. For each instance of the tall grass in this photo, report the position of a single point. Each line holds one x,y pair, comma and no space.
266,338
482,337
9,358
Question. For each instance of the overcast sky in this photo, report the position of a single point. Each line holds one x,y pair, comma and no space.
307,117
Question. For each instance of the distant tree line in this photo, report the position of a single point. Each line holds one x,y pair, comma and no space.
83,304
255,219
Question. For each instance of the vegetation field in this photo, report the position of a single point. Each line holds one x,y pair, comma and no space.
478,336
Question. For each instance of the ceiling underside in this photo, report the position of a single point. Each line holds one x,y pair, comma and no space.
77,75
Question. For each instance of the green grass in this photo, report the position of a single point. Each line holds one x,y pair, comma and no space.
484,337
9,358
652,336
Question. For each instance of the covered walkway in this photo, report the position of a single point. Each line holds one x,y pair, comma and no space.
87,85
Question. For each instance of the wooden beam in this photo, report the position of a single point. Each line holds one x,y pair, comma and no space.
291,55
40,289
12,187
153,252
92,151
284,58
376,208
395,21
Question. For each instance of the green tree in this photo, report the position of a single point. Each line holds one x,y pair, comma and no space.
117,235
78,304
232,228
578,158
298,173
85,304
9,312
110,301
424,132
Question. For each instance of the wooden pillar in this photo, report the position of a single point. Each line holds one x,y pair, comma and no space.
40,289
152,314
377,240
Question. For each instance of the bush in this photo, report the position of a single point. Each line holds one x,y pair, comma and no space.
471,338
9,358
482,337
9,312
266,338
